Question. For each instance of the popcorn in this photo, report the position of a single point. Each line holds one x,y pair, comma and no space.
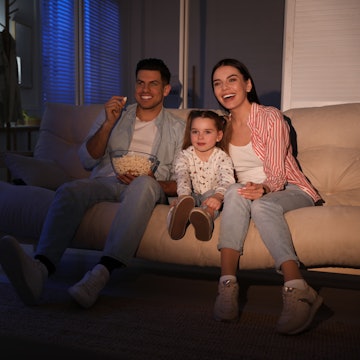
132,163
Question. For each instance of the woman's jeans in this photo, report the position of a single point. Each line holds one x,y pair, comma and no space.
267,213
73,199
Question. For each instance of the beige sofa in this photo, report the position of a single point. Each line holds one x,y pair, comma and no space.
325,237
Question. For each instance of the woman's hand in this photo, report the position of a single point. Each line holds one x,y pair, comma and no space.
252,191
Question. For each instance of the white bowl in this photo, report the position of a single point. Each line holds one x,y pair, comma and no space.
135,163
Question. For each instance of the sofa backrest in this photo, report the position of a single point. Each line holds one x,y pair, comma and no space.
328,140
62,130
328,144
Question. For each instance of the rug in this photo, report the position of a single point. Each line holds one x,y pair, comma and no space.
154,313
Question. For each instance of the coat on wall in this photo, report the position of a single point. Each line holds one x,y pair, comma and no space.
10,98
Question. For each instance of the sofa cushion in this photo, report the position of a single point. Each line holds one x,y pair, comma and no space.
329,150
335,172
23,209
332,125
36,172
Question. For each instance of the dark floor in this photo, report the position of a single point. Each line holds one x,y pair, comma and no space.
259,292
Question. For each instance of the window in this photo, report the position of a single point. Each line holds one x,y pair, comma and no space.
58,51
321,53
80,51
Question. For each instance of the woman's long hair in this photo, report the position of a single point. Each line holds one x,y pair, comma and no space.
251,95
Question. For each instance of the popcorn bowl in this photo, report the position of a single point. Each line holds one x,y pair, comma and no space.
135,163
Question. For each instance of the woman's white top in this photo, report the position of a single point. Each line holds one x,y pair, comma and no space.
248,166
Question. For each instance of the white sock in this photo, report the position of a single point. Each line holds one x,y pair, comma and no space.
297,284
227,277
100,269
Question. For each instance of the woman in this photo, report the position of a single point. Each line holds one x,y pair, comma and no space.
269,183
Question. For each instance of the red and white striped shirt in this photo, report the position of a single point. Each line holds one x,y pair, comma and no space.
271,143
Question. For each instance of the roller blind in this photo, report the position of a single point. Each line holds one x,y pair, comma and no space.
58,51
321,64
80,51
101,50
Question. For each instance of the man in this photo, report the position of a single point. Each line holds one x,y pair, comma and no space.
145,126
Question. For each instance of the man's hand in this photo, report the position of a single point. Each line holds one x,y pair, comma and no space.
126,178
96,145
113,109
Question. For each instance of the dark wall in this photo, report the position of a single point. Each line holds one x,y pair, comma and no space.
251,31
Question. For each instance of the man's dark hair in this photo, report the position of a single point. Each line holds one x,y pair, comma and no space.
154,64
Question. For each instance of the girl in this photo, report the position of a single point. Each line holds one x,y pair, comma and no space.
203,173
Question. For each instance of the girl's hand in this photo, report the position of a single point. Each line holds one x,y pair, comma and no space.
213,202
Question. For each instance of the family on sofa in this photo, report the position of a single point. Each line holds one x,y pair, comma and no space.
269,183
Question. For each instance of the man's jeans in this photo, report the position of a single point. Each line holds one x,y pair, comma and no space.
71,201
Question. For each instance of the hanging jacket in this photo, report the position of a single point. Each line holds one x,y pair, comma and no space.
10,98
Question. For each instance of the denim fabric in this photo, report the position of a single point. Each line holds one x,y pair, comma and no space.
73,199
199,198
267,213
137,200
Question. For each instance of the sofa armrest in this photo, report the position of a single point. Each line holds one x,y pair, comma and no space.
23,210
3,163
25,169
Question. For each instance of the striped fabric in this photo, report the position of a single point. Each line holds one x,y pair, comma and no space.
271,142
